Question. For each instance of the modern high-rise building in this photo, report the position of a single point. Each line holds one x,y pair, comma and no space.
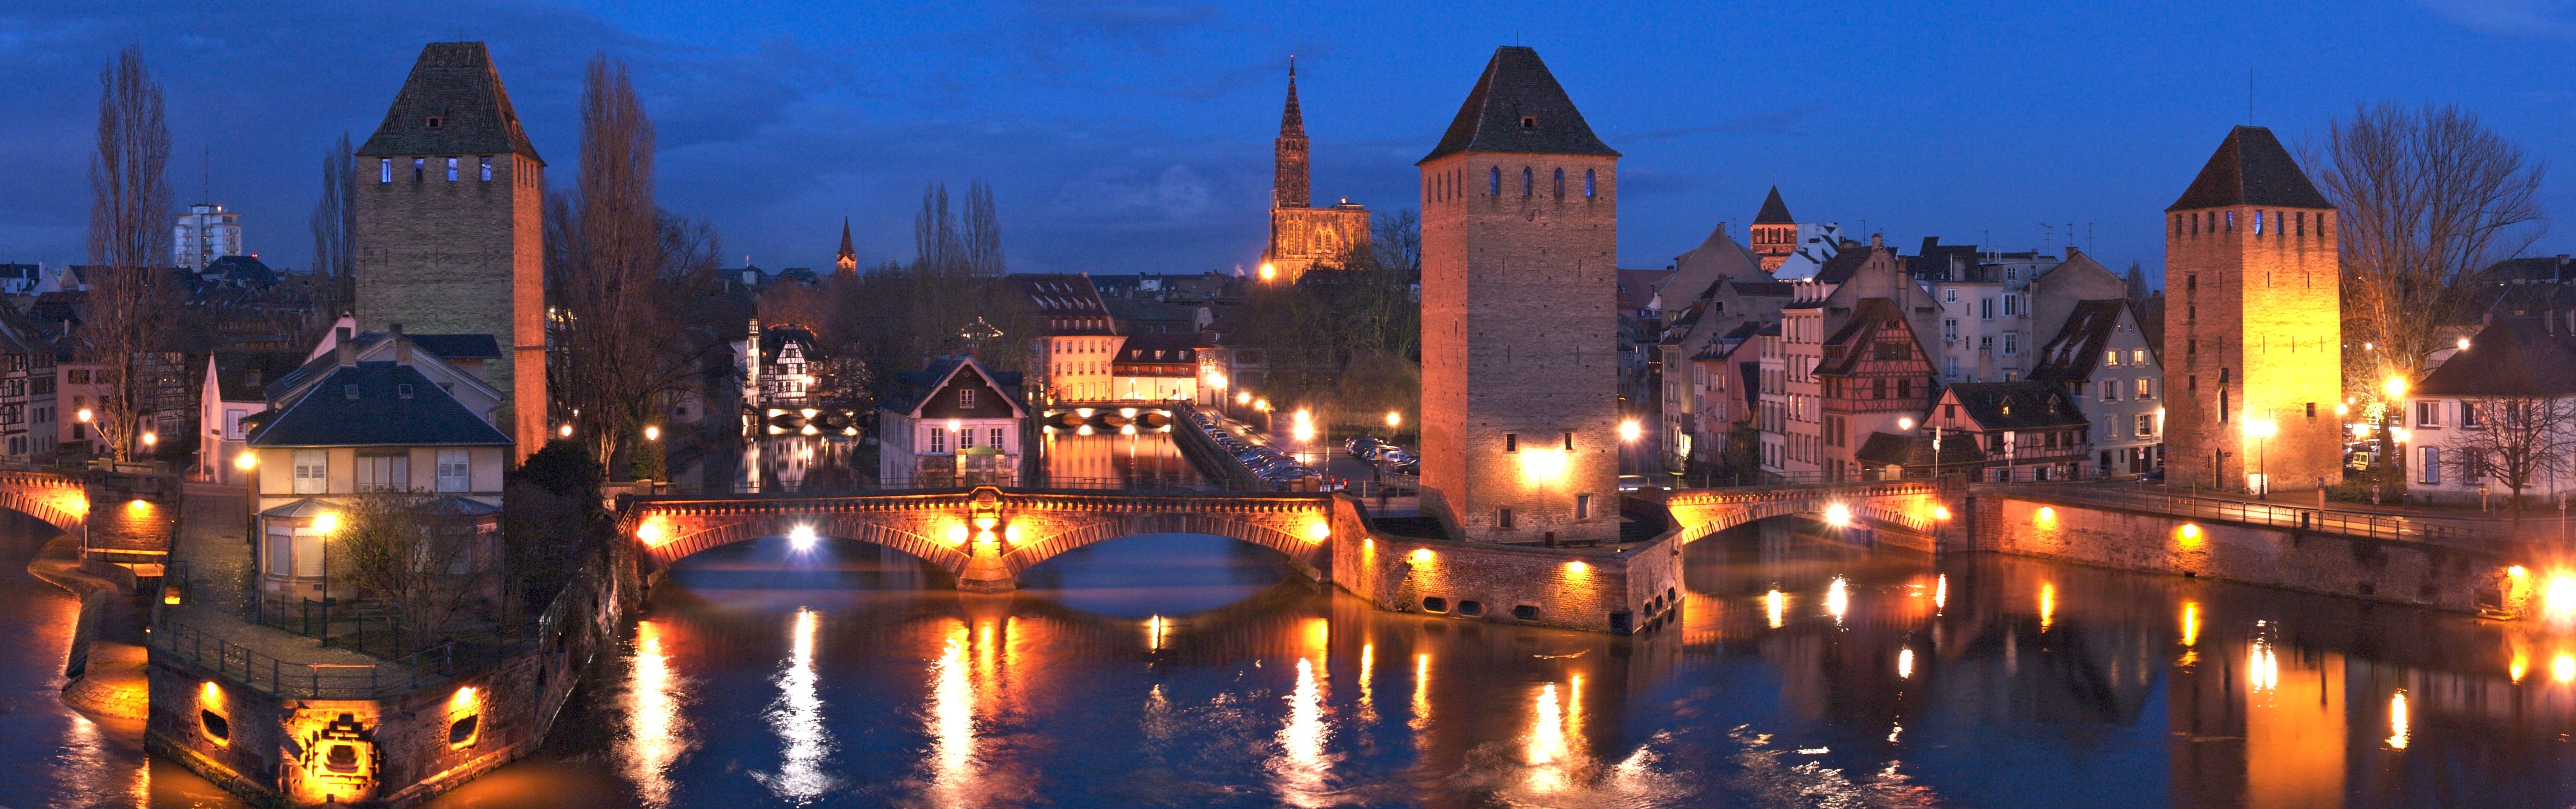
450,199
205,233
2253,359
1520,410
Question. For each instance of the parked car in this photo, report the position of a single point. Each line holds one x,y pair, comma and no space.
1361,445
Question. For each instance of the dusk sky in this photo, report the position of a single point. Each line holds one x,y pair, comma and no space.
1135,136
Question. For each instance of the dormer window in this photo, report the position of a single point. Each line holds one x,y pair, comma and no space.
403,390
435,120
349,391
1527,122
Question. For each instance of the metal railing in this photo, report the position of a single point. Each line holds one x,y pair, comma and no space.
867,487
267,674
2326,521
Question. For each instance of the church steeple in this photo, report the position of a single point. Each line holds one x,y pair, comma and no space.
1288,189
848,262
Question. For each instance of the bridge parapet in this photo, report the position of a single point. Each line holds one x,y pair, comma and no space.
1914,505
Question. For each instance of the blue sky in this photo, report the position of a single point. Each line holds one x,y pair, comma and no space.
1135,136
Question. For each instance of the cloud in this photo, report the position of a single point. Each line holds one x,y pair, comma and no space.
2546,19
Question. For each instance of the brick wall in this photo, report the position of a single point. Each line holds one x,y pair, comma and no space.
1567,588
2266,312
2409,573
462,257
1519,337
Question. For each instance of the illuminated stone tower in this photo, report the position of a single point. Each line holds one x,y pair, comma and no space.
449,205
846,263
1520,401
1774,232
1301,235
2253,324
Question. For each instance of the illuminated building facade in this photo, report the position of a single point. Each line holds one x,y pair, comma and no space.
1520,221
2253,324
956,421
1302,235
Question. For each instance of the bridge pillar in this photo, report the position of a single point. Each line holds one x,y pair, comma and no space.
984,571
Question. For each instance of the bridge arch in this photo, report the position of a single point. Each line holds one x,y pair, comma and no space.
1912,505
1303,551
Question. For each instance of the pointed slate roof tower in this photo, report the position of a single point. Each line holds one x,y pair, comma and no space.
1517,106
1289,187
2254,347
452,103
2250,168
847,262
1520,225
1774,211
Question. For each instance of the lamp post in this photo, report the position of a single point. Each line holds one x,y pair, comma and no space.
2262,432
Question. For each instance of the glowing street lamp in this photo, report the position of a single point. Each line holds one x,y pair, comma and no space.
2263,432
565,431
1905,423
1269,271
1394,419
83,416
652,432
802,538
246,461
1629,431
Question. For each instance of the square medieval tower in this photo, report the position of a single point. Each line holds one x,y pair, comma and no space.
2253,324
1520,226
449,198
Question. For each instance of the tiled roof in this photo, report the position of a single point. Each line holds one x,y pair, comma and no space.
1886,449
1765,289
912,387
1068,301
1868,318
2250,168
243,376
468,346
1517,106
2077,349
2512,356
375,404
2020,405
454,84
1774,212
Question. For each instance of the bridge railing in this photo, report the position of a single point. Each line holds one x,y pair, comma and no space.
830,488
2392,527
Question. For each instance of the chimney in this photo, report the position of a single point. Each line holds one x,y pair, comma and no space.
402,349
1873,240
348,352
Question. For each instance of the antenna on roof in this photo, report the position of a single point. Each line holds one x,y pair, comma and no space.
206,175
2249,96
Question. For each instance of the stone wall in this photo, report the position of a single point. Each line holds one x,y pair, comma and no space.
1571,589
133,517
2411,573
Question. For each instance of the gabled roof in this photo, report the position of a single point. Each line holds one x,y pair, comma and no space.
1843,265
319,363
1765,289
1774,212
1868,318
2512,356
1890,449
914,388
243,376
375,404
773,338
1068,301
2018,405
2250,168
455,84
2076,351
1518,107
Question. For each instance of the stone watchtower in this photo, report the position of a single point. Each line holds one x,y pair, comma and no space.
2253,324
1520,404
450,201
1774,232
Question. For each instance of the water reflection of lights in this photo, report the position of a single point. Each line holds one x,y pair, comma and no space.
1547,749
1905,663
952,721
802,538
657,732
2047,605
1838,599
2521,664
1421,692
2558,598
1941,592
2397,721
2190,623
1368,690
1154,629
1774,604
1302,768
2262,667
797,718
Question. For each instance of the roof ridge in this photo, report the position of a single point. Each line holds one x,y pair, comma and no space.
1517,106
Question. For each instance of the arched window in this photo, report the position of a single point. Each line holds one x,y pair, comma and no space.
1589,189
1494,181
1560,183
1525,181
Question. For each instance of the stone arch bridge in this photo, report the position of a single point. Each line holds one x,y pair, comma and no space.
1914,506
985,536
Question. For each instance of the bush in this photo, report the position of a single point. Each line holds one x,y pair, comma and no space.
562,468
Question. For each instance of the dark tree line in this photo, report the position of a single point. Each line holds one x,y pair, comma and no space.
1346,339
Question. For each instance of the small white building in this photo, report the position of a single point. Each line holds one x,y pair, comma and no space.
954,424
235,389
2500,409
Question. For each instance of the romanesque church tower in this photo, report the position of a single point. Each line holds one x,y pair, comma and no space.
1301,235
449,204
1520,229
1774,232
2253,324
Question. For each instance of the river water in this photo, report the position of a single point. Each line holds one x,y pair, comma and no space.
1194,671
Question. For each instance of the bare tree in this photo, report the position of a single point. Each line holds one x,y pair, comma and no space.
982,235
621,272
426,566
129,238
2517,440
334,222
2427,197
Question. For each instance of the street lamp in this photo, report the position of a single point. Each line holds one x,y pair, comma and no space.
2263,432
1629,431
1394,419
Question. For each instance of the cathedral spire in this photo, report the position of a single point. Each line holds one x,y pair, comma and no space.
1288,187
848,261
